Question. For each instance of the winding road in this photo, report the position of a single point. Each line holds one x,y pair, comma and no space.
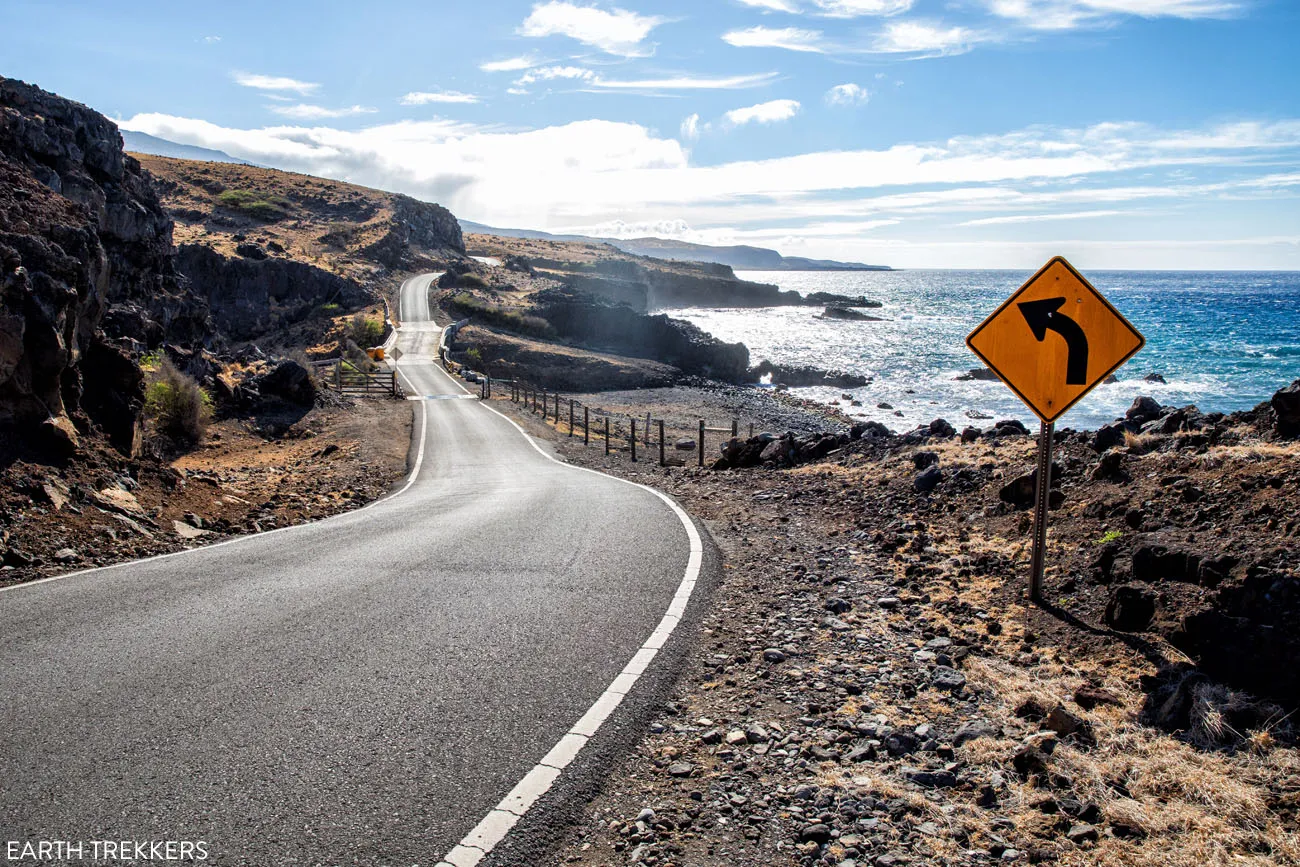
367,689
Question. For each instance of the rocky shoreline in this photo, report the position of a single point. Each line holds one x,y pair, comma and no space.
871,690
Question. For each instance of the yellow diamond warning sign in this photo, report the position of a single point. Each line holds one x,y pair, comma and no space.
1054,340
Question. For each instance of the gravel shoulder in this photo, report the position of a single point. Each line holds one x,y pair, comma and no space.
248,475
869,687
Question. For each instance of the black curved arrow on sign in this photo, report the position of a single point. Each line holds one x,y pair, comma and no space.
1042,316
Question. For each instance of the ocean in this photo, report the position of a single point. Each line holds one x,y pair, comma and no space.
1224,341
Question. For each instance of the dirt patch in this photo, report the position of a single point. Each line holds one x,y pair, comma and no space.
870,688
104,508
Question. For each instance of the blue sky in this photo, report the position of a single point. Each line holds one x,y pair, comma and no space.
917,133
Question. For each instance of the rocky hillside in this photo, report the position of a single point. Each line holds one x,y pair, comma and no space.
263,215
643,283
88,272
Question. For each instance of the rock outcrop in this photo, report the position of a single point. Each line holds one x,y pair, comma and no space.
87,273
415,224
601,324
77,153
250,297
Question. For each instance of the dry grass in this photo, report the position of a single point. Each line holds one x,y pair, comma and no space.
1140,444
1194,807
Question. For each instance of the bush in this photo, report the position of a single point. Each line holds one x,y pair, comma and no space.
174,404
471,281
331,309
365,332
253,205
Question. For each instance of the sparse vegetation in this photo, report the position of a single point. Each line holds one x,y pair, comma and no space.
268,209
1110,536
503,317
365,331
174,404
329,310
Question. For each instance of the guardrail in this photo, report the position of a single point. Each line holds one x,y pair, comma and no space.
346,378
616,431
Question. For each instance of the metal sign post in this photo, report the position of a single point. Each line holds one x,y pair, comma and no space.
1042,498
1092,339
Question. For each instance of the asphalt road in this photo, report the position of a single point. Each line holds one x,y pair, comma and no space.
362,690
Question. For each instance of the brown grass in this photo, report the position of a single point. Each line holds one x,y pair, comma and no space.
1195,806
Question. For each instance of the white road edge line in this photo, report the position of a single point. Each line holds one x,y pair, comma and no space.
494,827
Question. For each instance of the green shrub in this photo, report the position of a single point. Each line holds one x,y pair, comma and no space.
268,209
471,281
365,332
329,310
174,404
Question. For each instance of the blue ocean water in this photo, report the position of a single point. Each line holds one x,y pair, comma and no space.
1223,340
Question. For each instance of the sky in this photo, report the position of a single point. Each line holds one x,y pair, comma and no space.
914,133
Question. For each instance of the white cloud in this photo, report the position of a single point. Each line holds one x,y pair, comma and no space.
855,8
591,80
688,82
765,112
317,112
789,38
425,97
211,40
1069,14
551,73
847,94
924,38
772,5
593,172
618,31
510,64
1038,218
690,127
272,82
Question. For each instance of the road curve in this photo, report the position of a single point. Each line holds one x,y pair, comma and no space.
361,690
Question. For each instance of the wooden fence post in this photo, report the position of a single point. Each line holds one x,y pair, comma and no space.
606,434
661,443
586,425
647,430
570,416
735,428
557,409
631,438
701,443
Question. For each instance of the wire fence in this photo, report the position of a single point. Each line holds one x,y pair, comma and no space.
642,436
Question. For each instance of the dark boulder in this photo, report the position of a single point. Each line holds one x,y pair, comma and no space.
1009,427
1143,410
977,374
941,428
1130,608
288,380
927,480
1108,436
1286,409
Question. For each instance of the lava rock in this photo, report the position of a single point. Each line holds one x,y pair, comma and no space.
1130,608
927,480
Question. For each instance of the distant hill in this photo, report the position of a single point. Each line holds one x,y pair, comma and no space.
143,143
742,258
